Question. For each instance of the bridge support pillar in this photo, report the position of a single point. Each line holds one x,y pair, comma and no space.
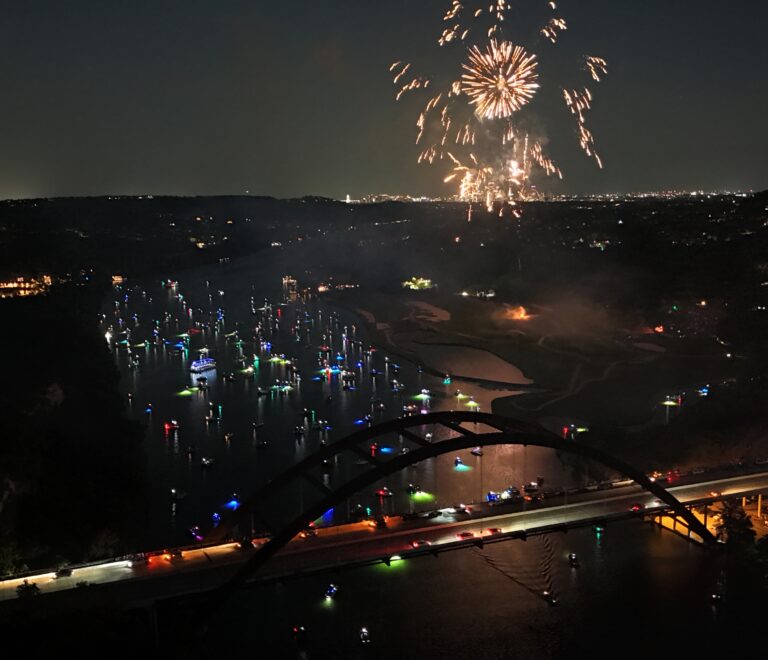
672,522
759,505
743,502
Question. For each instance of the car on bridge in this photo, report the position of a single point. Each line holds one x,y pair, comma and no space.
173,555
140,559
715,493
491,531
420,543
637,506
462,536
380,522
308,532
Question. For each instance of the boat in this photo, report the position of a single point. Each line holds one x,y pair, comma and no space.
178,494
203,364
205,461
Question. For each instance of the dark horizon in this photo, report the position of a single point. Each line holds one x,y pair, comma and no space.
197,99
415,199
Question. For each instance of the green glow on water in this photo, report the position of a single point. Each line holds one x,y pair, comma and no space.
188,391
328,603
396,562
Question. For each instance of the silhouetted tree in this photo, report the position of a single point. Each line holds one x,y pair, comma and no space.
27,589
735,526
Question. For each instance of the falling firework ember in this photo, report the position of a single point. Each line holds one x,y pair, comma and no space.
553,28
475,121
597,67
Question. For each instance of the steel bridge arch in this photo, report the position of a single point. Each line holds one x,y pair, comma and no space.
502,431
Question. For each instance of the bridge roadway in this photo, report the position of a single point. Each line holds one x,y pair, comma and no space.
200,569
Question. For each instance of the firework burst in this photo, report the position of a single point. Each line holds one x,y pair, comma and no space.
475,121
500,80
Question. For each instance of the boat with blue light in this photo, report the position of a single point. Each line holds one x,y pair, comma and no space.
203,364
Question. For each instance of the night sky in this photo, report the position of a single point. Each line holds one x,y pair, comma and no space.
287,99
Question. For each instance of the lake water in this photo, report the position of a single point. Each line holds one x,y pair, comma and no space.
638,591
225,312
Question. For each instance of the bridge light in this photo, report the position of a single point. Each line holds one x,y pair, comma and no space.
388,561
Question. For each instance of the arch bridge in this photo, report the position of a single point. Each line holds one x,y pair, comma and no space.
317,483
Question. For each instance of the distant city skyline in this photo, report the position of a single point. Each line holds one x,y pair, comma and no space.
200,98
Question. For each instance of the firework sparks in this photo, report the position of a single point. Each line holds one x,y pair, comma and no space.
474,121
454,11
500,80
553,28
416,83
449,34
537,153
578,103
597,67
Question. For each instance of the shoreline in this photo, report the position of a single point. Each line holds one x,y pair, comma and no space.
379,338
